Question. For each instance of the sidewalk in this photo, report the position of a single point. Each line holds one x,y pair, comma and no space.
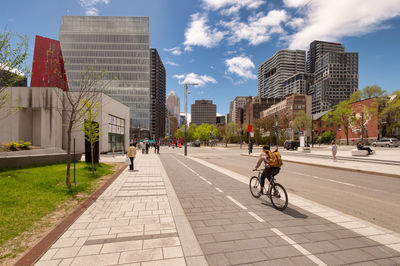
138,220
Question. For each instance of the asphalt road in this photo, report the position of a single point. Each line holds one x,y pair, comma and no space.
372,198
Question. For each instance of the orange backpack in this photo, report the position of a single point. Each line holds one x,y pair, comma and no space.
274,158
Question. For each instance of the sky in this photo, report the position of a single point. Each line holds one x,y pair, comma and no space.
219,44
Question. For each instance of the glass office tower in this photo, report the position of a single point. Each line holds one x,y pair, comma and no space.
120,46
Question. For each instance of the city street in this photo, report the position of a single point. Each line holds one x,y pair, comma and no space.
220,211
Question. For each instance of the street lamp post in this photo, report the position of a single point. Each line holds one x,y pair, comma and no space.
186,93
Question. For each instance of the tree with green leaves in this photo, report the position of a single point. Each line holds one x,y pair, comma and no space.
13,67
343,116
228,131
191,132
390,114
90,127
180,132
91,84
301,121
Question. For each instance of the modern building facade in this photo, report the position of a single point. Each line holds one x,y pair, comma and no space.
173,104
157,94
300,83
204,112
274,71
318,49
48,64
42,120
171,123
117,46
335,79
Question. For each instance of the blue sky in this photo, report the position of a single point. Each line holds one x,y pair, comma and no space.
220,43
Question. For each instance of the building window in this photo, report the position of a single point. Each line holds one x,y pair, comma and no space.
116,133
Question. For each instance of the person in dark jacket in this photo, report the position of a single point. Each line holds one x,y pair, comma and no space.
361,147
250,147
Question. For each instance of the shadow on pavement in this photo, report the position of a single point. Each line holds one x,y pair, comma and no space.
288,211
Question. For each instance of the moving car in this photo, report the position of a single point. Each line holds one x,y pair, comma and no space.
291,144
386,142
196,143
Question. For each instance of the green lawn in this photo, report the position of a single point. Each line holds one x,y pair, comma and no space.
26,195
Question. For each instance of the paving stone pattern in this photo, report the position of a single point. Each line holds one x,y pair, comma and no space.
229,235
130,223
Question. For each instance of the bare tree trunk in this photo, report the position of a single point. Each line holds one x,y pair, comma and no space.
92,151
347,136
68,178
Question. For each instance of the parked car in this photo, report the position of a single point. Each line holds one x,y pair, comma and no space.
196,143
291,144
386,142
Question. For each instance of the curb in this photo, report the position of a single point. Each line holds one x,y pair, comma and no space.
37,251
337,167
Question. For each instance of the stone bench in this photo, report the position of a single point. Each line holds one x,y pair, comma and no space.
355,152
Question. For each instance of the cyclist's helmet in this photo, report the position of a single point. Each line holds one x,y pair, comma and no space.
266,147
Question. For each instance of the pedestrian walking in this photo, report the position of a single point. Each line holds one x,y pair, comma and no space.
250,147
334,150
147,147
131,154
158,148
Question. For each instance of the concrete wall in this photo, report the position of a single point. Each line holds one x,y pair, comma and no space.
41,119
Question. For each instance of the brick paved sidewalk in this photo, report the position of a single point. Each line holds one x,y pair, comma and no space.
137,221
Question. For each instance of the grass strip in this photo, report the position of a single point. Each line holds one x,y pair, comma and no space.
28,194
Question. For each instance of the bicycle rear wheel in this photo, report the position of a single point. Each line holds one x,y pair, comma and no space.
255,187
278,197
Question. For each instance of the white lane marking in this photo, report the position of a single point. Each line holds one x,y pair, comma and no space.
258,218
237,202
202,178
304,251
219,190
328,214
334,181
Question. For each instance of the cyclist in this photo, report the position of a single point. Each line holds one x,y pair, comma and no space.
268,171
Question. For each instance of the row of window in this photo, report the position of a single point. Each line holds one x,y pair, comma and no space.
101,53
104,46
110,68
104,38
119,76
107,61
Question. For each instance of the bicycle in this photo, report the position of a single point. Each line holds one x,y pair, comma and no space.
276,192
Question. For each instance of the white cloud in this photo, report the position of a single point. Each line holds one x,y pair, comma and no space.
92,11
259,27
168,62
194,78
296,23
198,33
175,50
217,4
333,20
241,66
89,6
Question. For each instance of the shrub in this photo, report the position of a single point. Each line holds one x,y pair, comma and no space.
13,146
25,145
327,137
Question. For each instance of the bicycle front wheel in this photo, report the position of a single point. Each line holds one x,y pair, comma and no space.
255,187
278,196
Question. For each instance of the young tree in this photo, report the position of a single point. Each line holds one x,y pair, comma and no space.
228,131
342,115
12,67
180,132
90,126
73,109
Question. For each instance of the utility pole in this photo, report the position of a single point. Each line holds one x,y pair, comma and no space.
362,128
186,93
277,130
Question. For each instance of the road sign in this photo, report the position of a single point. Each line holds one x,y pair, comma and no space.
249,128
252,134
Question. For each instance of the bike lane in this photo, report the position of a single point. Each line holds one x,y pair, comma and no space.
232,227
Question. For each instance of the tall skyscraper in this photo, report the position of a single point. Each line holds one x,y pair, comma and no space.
157,103
119,46
173,104
281,66
318,49
237,105
335,78
204,111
